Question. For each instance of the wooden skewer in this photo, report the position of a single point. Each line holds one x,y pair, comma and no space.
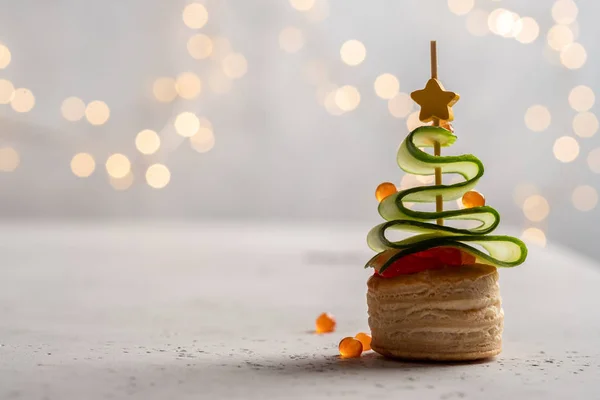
437,151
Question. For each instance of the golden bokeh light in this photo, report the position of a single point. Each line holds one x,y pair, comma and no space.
147,141
200,46
400,105
584,198
221,48
537,118
9,159
564,11
522,191
347,98
566,149
188,85
302,5
530,30
386,86
319,12
461,7
5,56
7,91
235,65
123,183
158,176
187,124
573,56
204,140
83,165
585,124
164,89
22,100
195,15
72,109
330,105
353,52
477,23
504,22
291,39
219,83
534,236
323,91
97,112
413,121
536,208
581,98
593,160
118,165
559,37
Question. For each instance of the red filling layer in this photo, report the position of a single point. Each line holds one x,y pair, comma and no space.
434,258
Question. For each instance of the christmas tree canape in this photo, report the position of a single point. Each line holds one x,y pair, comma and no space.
434,296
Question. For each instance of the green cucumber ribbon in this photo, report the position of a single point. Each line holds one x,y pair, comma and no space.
500,251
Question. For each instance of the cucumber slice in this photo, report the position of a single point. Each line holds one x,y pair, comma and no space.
500,251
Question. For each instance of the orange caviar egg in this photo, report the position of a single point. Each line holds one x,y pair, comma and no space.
350,347
365,339
473,199
384,190
325,323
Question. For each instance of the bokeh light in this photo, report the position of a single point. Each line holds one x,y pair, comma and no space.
581,98
330,104
584,198
461,7
22,100
585,124
386,86
504,22
221,48
72,109
97,112
477,23
291,39
9,159
319,12
5,56
564,11
413,121
187,124
566,149
188,85
204,140
537,118
534,236
302,5
123,183
593,160
400,105
118,165
573,56
147,141
559,37
530,30
164,89
7,91
235,65
195,15
200,46
83,165
536,208
522,191
353,52
158,176
347,98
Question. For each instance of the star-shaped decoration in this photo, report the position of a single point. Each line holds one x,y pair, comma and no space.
435,102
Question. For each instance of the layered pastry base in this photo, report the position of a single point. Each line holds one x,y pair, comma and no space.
450,314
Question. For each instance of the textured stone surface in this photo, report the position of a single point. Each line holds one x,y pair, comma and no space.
223,311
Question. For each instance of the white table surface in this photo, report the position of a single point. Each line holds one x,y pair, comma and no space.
163,311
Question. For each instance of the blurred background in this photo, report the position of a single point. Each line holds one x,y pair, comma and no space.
292,110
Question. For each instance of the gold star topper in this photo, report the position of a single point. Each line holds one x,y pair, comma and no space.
435,102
